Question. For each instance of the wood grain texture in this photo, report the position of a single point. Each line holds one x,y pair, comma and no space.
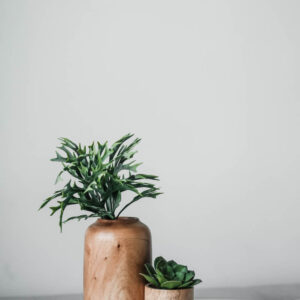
157,294
115,254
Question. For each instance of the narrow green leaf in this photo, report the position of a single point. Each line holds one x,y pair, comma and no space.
69,143
117,201
58,178
49,199
80,217
58,158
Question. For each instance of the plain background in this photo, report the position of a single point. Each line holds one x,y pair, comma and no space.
212,88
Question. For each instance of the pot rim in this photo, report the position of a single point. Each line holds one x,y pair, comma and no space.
148,285
119,220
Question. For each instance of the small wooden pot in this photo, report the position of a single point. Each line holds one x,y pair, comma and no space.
158,294
115,253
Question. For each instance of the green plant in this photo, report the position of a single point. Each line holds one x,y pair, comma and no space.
99,175
169,275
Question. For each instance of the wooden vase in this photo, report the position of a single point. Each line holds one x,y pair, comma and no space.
114,255
158,294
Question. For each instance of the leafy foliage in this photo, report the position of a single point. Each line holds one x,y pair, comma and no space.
99,176
169,275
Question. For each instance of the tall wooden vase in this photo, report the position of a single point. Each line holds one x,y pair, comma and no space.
115,253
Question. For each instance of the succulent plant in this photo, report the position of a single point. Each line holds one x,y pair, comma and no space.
99,175
169,275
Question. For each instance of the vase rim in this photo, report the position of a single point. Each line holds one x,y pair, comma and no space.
125,220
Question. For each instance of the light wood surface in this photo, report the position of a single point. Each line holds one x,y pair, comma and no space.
115,254
79,297
157,294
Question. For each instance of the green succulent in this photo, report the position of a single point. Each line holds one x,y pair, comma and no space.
169,275
99,175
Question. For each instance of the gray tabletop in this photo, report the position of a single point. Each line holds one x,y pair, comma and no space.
270,292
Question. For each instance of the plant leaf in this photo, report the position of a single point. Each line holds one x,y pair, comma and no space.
196,281
150,279
98,176
172,284
189,275
150,269
180,268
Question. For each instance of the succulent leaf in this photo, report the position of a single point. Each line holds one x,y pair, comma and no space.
151,280
197,281
180,276
158,260
160,276
180,268
150,269
186,284
172,284
189,275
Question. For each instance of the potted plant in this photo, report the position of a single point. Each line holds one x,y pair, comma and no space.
116,248
168,280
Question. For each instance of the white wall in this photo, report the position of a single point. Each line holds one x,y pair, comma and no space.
212,87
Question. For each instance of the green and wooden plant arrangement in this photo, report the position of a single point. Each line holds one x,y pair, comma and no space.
169,280
99,174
